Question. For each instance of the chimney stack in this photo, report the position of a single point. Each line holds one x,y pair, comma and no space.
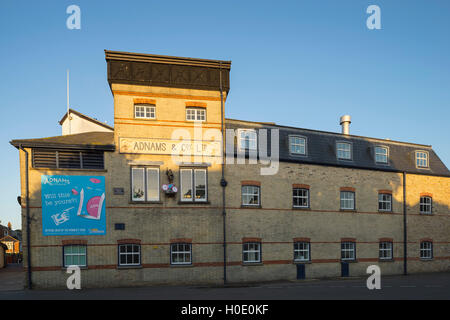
345,123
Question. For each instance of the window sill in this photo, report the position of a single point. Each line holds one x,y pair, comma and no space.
426,259
190,265
302,262
194,202
251,207
384,211
129,267
386,260
350,261
145,202
81,268
301,208
347,210
251,264
425,214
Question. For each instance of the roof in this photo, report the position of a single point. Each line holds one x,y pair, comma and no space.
321,150
87,118
9,238
89,140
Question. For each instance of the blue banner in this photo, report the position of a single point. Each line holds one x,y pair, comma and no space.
73,205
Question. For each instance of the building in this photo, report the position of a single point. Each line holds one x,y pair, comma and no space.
165,210
3,249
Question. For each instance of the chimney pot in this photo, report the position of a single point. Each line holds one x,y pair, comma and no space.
345,123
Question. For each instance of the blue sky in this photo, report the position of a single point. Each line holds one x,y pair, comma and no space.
296,63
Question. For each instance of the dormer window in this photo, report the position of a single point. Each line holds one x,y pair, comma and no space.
422,159
381,154
297,145
344,150
247,139
142,111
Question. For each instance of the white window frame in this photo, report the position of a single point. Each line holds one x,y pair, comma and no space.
145,171
301,196
387,203
302,247
339,149
293,142
421,157
251,195
132,253
386,250
426,250
183,252
251,146
148,110
426,204
198,112
344,200
381,154
248,250
348,247
193,185
65,254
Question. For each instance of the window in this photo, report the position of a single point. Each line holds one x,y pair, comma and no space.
181,253
348,251
384,202
422,159
300,198
251,252
67,159
297,145
426,250
381,155
145,111
385,250
129,254
195,114
250,196
344,150
74,255
347,200
426,205
144,184
301,251
247,139
193,185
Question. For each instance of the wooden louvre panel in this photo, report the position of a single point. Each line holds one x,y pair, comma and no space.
44,158
67,159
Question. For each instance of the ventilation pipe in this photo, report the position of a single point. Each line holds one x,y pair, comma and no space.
345,123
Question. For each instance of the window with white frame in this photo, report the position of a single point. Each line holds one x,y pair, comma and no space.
247,139
344,150
250,195
129,254
193,185
181,253
384,202
301,251
381,154
144,111
297,145
422,159
144,184
251,252
385,250
74,255
347,200
426,250
426,204
348,251
195,114
300,197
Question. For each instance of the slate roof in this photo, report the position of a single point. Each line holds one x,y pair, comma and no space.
88,140
321,149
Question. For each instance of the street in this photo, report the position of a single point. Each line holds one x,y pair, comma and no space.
415,286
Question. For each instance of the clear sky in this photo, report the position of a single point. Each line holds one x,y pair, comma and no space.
296,63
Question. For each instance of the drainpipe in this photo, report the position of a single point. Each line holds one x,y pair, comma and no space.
405,237
223,184
27,201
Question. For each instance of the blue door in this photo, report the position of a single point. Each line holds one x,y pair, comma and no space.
344,269
300,271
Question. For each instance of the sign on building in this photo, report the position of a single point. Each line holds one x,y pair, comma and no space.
73,205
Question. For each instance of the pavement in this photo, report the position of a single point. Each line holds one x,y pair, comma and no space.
416,286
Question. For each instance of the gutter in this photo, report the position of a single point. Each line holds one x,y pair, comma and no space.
27,191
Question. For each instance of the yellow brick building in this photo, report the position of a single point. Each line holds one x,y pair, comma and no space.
323,205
